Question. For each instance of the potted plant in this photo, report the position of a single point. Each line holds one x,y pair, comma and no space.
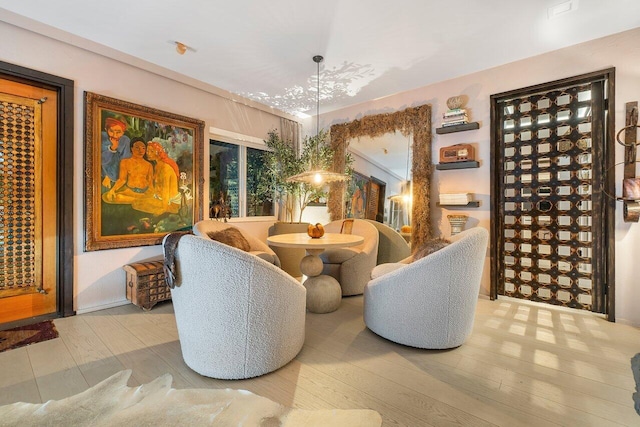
282,163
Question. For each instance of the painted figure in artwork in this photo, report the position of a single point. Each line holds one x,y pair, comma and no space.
166,196
115,147
357,203
135,180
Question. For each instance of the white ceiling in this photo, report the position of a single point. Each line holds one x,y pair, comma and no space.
372,48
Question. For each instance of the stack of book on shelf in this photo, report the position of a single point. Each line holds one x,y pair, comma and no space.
455,199
457,116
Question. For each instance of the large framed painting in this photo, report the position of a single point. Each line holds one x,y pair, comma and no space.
143,173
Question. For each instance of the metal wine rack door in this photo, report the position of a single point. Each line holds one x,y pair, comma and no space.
547,238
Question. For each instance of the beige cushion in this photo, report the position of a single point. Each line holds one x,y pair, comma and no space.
231,237
338,255
429,247
203,228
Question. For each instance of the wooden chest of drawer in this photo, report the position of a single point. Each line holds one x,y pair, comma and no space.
145,283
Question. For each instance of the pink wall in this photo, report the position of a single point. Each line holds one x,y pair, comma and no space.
99,278
620,51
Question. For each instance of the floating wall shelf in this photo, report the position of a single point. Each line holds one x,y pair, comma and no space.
458,165
458,128
472,204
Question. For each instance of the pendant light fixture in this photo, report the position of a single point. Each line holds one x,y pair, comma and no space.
316,175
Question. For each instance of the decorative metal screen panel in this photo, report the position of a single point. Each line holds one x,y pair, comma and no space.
19,269
547,201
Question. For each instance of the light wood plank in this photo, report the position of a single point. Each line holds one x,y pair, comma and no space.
92,356
17,382
56,373
130,351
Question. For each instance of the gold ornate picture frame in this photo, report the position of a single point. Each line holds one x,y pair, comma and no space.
143,173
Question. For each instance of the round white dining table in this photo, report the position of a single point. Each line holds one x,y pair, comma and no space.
323,292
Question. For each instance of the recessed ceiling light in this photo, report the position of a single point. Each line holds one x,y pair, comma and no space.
562,8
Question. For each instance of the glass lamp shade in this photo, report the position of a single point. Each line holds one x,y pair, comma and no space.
318,177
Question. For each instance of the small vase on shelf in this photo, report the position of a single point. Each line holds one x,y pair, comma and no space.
457,223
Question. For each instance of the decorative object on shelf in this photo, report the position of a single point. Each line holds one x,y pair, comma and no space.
455,198
315,231
455,115
316,175
457,153
457,223
455,102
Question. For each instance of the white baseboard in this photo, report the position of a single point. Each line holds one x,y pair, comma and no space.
102,307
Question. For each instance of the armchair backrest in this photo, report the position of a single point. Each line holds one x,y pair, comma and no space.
237,316
392,247
362,228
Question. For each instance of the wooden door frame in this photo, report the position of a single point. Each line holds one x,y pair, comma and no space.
64,180
381,197
606,154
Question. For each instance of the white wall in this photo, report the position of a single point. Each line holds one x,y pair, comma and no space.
99,278
620,51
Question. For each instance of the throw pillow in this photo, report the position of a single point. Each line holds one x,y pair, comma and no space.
232,237
429,247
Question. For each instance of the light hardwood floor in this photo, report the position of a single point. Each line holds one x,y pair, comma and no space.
524,364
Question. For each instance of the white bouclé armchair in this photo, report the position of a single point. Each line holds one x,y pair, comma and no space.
352,266
429,303
238,316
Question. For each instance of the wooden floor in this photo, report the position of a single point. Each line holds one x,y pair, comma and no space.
524,364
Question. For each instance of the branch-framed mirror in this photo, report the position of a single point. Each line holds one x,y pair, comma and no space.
414,121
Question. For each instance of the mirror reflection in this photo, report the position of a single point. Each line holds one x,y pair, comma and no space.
381,188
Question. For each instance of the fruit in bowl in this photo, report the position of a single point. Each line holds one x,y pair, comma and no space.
315,231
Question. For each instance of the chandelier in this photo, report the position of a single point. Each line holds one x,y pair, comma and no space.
316,175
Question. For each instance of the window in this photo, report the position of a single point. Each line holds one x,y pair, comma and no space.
236,176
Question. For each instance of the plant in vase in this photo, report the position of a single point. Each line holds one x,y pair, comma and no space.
281,163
